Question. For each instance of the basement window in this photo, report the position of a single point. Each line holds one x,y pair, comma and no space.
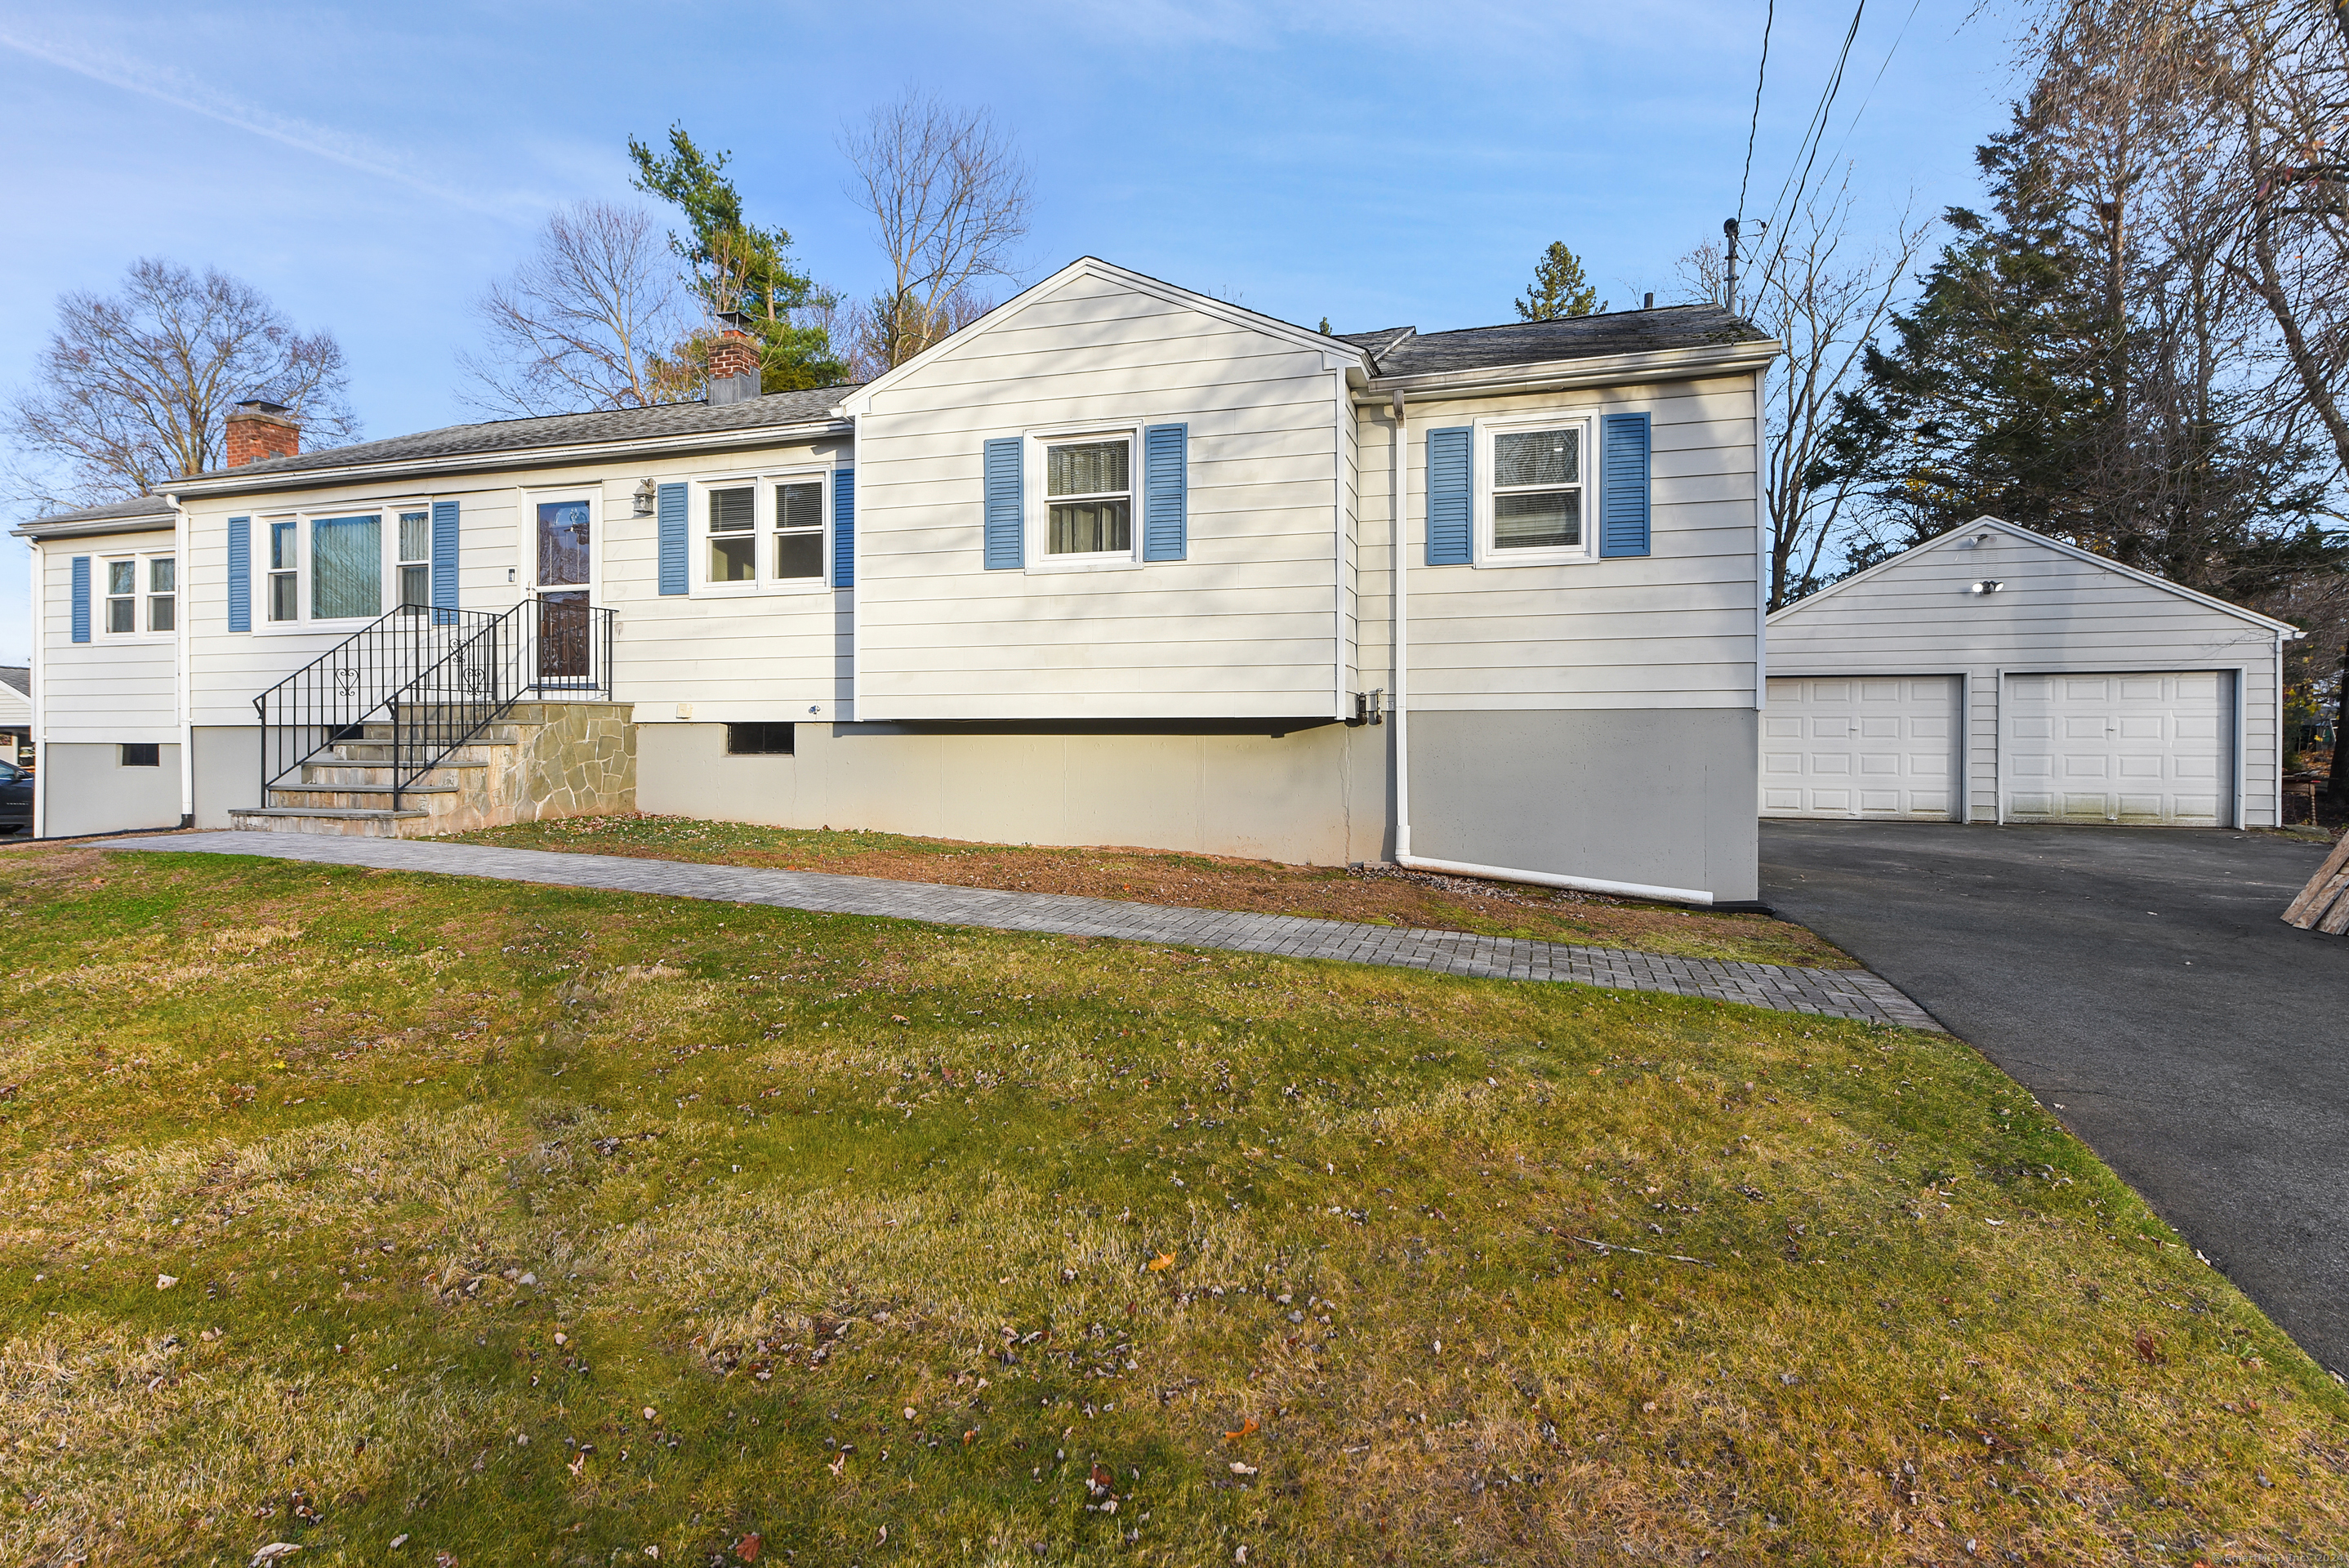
762,739
141,754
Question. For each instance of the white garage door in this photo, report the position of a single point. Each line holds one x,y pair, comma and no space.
1860,745
2148,748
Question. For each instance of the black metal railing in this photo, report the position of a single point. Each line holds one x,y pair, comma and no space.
437,679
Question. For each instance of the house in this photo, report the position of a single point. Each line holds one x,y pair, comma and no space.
1995,675
1118,564
16,713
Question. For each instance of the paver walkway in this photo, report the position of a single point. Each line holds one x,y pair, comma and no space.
1835,993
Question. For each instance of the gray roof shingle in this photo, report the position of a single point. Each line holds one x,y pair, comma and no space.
115,517
1404,352
496,436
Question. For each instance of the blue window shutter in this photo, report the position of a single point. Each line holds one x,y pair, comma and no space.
240,574
1007,496
1166,485
81,598
670,513
844,528
444,555
1623,484
1449,470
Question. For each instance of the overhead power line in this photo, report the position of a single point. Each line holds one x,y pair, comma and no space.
1761,73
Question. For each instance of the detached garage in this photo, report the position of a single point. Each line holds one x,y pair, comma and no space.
1997,675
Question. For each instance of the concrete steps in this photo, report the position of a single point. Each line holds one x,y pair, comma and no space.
541,759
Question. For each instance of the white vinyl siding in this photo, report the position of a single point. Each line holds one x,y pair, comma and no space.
762,656
1671,629
112,688
1245,626
2052,614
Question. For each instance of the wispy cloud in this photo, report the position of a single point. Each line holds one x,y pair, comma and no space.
166,85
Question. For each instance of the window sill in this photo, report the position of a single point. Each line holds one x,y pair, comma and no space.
1050,564
341,628
1538,558
715,592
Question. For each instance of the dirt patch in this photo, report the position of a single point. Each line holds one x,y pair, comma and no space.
1373,895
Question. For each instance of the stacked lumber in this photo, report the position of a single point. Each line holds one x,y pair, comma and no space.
2323,904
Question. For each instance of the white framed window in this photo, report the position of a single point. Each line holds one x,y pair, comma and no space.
1082,508
415,560
343,567
140,595
1535,478
762,533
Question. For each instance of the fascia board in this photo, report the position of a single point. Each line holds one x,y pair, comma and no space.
1335,355
516,457
1999,525
1669,364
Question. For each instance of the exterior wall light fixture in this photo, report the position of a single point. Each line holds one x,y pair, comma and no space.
645,498
1987,586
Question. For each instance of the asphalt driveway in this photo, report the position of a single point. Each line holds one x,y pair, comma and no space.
2140,980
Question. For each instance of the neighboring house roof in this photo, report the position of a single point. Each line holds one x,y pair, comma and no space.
682,424
16,697
139,515
18,678
2058,547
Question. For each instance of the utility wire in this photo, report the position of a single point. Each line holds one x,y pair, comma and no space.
1812,134
1878,80
1761,73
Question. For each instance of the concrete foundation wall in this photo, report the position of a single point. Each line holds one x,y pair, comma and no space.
86,789
227,771
1314,795
1659,798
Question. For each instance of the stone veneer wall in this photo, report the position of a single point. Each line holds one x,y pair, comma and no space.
579,760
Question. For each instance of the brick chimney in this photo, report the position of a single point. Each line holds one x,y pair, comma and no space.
733,360
258,430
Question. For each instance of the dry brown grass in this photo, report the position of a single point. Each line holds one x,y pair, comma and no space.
1382,897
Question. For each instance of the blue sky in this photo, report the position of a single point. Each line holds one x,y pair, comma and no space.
1377,164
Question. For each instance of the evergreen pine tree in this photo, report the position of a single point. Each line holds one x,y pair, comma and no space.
1558,289
735,265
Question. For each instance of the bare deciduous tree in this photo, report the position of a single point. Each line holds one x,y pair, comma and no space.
950,199
1826,306
584,322
131,388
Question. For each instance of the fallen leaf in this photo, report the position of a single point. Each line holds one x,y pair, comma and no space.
839,1461
1245,1428
577,1465
165,1282
275,1552
747,1549
397,1542
651,1414
899,1018
1239,1468
1163,1261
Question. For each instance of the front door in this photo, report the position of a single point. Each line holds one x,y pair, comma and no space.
566,555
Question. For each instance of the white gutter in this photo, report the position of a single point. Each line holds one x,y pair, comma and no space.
1403,857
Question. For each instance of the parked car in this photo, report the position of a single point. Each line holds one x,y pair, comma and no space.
16,797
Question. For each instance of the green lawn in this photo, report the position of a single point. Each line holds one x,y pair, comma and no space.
525,1225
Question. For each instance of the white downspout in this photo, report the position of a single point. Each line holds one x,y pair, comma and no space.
1401,674
180,653
1403,857
37,653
